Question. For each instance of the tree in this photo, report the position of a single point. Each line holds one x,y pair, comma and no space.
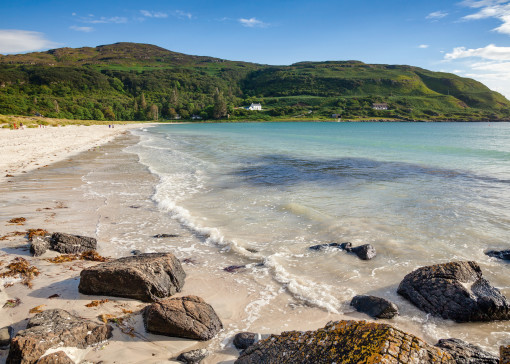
154,112
220,107
143,103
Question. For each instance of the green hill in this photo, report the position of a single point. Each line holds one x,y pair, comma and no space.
129,81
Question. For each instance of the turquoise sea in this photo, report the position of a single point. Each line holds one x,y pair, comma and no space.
420,193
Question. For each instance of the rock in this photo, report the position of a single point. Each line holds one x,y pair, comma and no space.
51,329
58,357
365,252
243,340
233,268
145,277
39,245
375,306
455,291
325,246
504,354
5,336
466,353
166,236
344,342
136,252
72,244
187,317
193,356
500,254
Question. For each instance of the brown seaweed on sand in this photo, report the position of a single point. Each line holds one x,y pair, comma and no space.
20,266
17,220
88,255
96,303
12,303
36,232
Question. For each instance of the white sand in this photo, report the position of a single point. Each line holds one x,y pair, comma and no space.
32,148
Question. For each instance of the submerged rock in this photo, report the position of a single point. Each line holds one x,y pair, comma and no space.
193,356
72,244
166,236
375,306
145,277
365,251
51,329
325,246
243,340
187,317
500,254
344,342
455,291
233,268
466,353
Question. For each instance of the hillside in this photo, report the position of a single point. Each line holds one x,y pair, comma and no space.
129,81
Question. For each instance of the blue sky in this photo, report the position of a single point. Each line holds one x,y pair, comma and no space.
467,37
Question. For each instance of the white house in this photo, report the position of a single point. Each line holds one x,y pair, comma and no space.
380,106
255,107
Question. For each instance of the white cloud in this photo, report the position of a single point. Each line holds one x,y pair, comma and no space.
81,29
490,52
252,23
183,14
105,20
436,15
153,14
423,46
498,9
17,41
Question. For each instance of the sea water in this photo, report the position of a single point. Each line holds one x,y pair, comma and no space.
263,193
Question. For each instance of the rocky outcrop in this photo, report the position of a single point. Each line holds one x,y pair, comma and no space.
56,358
500,254
187,317
375,306
455,291
344,342
144,277
51,329
193,356
504,354
466,353
243,340
324,246
72,244
5,336
39,245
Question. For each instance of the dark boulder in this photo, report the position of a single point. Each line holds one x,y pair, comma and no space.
375,306
72,244
5,336
58,357
466,353
193,356
243,340
145,277
39,245
500,254
159,236
344,342
365,251
455,291
187,317
51,329
136,252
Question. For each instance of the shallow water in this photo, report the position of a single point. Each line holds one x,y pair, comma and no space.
420,193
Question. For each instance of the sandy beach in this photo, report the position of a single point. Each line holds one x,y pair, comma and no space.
52,195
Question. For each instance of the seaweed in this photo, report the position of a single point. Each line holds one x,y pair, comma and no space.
36,309
36,232
12,303
17,220
96,303
91,255
20,266
119,322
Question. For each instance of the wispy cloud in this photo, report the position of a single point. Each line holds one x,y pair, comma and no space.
153,14
436,15
423,46
253,23
498,9
105,20
82,29
182,14
16,41
490,52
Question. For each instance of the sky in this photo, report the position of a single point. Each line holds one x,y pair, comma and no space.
470,38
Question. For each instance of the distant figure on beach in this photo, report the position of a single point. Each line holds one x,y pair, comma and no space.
21,126
109,126
15,126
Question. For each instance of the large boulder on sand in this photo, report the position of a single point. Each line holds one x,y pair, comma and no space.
344,342
455,291
466,353
72,244
145,277
187,317
51,329
58,357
